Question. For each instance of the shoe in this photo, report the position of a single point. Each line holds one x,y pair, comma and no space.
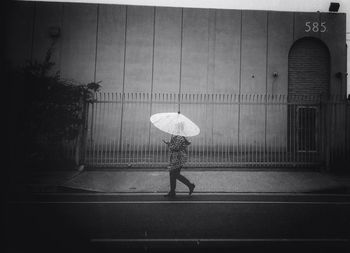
191,189
170,195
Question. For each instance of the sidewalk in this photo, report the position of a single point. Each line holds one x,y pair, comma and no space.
207,181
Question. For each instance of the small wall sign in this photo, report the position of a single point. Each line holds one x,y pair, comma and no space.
315,27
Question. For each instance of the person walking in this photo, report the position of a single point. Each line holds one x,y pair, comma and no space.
178,157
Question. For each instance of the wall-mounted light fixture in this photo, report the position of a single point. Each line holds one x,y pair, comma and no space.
54,32
338,75
334,7
275,74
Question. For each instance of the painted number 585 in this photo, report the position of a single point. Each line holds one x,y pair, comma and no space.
315,27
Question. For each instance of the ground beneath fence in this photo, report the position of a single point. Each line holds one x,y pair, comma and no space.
206,181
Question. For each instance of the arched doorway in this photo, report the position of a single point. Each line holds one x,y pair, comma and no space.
308,81
308,68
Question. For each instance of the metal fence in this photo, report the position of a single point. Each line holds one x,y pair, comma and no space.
236,130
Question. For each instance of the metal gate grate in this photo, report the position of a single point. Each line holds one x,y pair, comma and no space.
307,130
236,130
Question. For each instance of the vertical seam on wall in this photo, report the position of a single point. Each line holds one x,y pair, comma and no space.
181,41
214,44
209,53
33,32
267,52
152,76
208,69
153,47
208,49
240,80
125,34
61,40
293,26
214,54
319,22
293,39
96,41
267,72
123,88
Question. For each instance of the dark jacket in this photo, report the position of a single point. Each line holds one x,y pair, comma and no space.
178,151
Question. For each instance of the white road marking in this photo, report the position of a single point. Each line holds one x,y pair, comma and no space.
223,240
186,202
197,194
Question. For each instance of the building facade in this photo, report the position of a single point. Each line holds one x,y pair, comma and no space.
258,83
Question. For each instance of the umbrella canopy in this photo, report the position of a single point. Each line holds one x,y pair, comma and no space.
175,123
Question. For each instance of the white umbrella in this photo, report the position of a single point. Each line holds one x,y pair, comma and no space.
175,123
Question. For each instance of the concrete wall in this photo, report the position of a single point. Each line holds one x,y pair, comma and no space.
20,33
164,50
111,47
222,51
47,16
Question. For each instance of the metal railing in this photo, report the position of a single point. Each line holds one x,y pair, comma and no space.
236,130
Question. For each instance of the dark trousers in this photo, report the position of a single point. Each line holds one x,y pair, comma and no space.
175,175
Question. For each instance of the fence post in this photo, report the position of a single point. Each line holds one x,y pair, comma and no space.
323,143
79,156
329,133
347,136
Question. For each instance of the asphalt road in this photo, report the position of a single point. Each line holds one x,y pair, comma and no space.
83,222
